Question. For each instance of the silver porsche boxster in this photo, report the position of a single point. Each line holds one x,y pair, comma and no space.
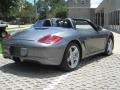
65,44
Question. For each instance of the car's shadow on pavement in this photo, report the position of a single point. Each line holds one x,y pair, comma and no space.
35,70
92,59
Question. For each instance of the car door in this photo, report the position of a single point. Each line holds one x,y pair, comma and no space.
93,40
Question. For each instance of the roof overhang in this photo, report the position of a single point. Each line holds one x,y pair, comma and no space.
100,7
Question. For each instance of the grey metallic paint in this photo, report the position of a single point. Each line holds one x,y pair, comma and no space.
91,43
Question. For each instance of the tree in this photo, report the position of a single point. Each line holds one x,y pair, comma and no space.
61,12
6,6
41,8
59,8
52,8
35,7
26,11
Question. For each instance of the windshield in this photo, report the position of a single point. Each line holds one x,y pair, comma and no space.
48,23
66,23
39,23
42,23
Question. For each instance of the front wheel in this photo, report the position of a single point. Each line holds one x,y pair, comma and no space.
71,57
109,47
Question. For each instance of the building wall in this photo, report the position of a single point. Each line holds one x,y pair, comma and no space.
109,5
79,3
111,11
87,13
80,9
79,13
118,4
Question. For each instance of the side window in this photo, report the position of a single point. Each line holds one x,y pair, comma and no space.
47,23
82,25
39,23
67,24
59,23
53,21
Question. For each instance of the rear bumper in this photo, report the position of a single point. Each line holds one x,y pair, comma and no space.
48,55
42,60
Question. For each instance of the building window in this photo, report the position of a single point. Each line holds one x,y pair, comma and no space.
87,1
82,2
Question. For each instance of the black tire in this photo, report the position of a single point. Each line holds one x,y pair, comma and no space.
65,65
108,53
17,60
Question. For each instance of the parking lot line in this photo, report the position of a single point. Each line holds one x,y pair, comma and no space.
56,81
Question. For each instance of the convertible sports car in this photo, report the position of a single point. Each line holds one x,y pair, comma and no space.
64,46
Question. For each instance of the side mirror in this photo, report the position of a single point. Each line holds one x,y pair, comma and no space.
99,28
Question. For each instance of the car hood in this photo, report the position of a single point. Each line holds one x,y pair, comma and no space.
36,33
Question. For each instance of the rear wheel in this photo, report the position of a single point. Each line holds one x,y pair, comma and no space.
16,60
71,57
109,47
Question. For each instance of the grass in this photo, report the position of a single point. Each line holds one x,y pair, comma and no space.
10,30
16,27
0,48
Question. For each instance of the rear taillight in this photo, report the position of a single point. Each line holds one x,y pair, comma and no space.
8,36
50,39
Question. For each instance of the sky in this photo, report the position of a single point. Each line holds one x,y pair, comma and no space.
94,3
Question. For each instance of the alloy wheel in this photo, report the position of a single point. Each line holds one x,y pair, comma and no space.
73,56
110,46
